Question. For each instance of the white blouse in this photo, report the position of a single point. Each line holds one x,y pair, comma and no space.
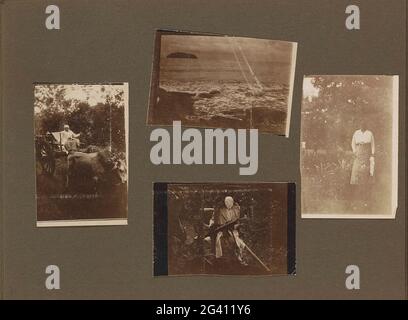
360,137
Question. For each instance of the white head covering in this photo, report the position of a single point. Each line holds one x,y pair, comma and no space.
229,202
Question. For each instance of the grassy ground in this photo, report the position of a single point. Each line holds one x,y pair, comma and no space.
54,203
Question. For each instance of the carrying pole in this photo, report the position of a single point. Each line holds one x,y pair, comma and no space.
110,128
257,258
252,253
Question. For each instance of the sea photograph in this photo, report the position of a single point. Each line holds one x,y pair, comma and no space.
222,81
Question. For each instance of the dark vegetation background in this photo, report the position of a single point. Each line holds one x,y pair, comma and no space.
53,109
328,123
265,230
97,112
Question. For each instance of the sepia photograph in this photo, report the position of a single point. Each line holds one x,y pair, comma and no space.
219,81
81,152
349,146
224,229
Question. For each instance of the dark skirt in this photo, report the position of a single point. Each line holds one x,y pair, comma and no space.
360,172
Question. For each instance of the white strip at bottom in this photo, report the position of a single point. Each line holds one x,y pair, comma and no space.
83,223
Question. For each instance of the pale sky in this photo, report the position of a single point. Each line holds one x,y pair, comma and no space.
308,89
221,47
93,94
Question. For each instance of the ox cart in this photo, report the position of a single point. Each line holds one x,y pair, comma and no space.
48,148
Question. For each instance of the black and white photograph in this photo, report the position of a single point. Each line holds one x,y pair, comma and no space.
349,146
224,229
81,153
219,81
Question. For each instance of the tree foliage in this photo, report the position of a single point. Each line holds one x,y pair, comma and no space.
95,111
330,119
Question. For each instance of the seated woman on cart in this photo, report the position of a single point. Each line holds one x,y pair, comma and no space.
69,139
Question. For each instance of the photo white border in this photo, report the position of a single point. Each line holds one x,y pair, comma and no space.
394,165
82,223
89,222
291,88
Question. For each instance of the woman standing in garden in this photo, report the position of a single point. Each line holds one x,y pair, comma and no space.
362,172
